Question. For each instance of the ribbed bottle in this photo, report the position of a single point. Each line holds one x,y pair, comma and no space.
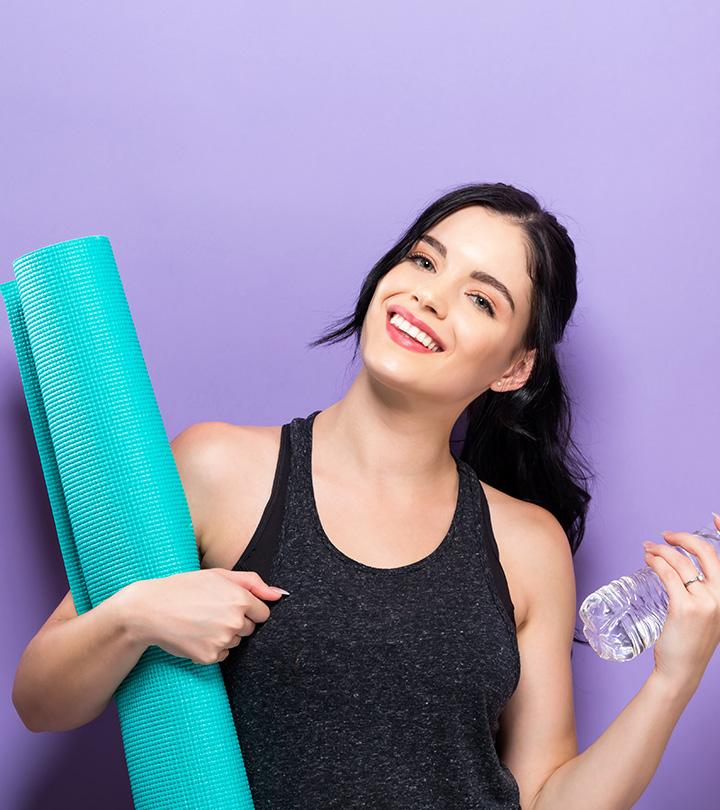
626,616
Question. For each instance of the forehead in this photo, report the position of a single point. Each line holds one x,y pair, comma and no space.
482,238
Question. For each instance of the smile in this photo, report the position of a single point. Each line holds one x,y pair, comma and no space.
405,340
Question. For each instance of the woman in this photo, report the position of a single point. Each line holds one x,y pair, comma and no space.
420,658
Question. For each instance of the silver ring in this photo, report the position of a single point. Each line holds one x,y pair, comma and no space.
699,577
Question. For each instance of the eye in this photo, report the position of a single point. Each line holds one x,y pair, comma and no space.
414,256
486,305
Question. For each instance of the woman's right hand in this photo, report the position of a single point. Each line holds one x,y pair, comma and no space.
200,614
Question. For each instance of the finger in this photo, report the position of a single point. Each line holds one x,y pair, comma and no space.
677,592
716,518
257,610
247,628
702,549
685,567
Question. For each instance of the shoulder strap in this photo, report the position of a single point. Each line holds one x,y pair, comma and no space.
263,545
493,555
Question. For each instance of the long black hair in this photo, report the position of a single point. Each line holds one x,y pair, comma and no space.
517,441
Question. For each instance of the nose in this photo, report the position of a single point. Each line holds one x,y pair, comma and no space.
431,301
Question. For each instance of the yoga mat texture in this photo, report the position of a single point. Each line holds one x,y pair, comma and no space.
119,509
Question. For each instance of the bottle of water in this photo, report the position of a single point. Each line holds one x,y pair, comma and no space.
626,617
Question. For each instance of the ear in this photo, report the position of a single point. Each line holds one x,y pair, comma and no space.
520,371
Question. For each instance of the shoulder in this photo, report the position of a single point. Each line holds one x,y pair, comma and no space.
224,468
213,448
534,551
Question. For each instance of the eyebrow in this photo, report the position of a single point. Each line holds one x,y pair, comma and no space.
478,275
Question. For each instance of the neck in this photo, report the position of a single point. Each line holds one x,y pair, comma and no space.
385,440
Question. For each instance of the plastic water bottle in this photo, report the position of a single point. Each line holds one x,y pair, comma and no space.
626,617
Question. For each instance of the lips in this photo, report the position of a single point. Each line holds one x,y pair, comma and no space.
415,321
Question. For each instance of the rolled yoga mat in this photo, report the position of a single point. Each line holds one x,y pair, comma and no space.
120,510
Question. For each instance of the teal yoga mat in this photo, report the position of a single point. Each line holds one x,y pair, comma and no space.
120,509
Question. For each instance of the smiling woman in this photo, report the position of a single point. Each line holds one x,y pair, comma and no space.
518,434
422,658
420,655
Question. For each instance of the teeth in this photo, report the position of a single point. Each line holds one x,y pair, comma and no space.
414,332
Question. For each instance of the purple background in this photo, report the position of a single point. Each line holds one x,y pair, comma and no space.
250,165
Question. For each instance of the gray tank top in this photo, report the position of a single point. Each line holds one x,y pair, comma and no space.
373,687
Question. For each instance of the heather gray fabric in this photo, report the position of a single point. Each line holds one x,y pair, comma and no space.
370,687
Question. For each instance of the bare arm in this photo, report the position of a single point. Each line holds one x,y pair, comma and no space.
628,753
69,672
615,770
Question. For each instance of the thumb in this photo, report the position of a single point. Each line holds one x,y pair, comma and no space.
255,584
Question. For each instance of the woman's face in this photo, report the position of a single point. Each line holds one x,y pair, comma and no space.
478,328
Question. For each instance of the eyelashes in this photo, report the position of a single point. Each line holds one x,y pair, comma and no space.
488,307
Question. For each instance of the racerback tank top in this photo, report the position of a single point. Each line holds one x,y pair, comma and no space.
373,687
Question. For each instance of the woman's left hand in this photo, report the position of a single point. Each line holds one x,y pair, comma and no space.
691,631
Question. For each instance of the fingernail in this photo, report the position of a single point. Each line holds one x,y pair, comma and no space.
280,590
647,545
716,515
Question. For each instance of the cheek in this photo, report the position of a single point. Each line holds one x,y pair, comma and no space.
474,339
481,356
378,302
